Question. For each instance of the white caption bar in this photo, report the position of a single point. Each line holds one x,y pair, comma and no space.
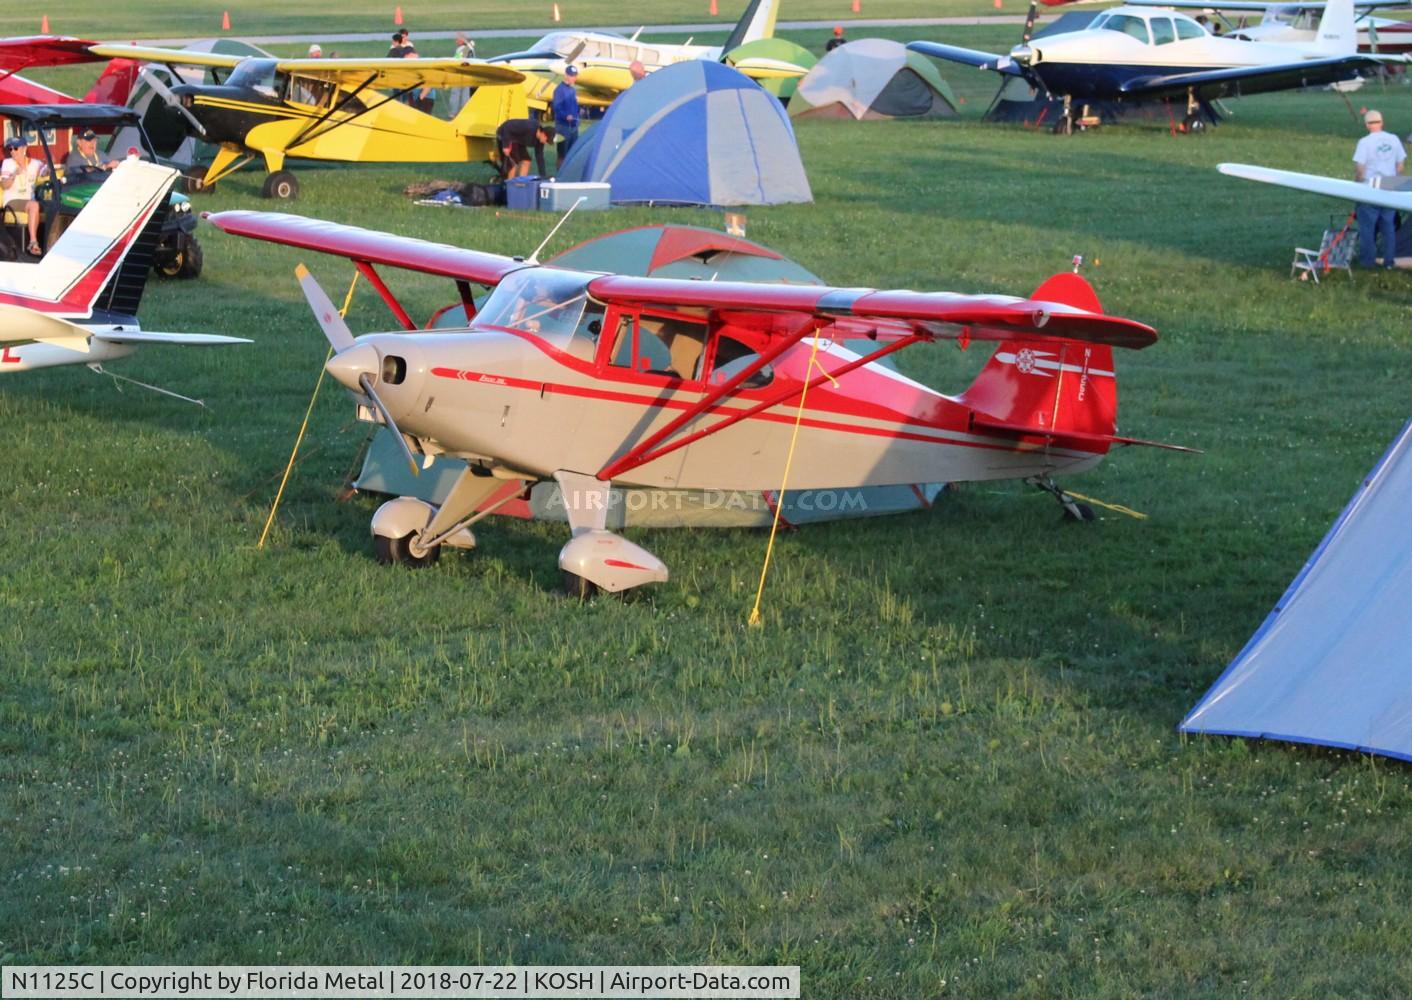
278,982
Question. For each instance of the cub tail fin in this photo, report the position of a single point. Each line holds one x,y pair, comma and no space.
1059,390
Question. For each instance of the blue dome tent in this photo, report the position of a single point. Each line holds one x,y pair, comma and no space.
696,133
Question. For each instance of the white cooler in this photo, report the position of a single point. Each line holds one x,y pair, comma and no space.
559,196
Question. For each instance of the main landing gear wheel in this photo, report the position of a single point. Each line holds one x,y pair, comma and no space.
194,182
1194,124
577,587
1064,125
395,551
282,185
185,263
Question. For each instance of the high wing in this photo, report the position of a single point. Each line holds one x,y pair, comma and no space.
18,54
1239,80
968,57
1333,187
392,74
883,315
367,245
1258,6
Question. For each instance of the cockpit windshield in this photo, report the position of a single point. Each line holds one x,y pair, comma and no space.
561,42
257,74
548,302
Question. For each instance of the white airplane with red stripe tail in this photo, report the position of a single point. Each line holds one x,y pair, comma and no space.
598,379
78,304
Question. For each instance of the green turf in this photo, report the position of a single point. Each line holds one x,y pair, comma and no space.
946,765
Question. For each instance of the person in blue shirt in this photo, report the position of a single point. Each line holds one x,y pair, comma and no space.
565,105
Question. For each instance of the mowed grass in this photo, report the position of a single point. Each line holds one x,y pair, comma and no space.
946,765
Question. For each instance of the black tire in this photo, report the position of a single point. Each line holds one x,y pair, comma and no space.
398,551
577,587
1064,126
1085,513
185,263
9,251
1194,124
194,182
477,195
281,185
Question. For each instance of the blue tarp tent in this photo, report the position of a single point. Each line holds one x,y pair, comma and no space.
696,133
1332,664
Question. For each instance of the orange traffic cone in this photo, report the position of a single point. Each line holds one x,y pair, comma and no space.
556,13
997,4
225,20
857,7
397,16
44,25
714,9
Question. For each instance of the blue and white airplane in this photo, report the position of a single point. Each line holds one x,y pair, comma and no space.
1139,54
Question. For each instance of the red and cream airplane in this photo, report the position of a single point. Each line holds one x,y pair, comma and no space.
78,304
599,379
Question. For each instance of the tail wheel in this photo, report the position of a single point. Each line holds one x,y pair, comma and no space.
281,185
394,551
1079,512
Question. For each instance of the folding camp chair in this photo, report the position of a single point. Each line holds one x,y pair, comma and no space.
1336,249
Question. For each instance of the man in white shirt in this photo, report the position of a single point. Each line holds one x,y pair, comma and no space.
19,176
1378,155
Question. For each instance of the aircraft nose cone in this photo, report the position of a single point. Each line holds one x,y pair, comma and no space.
348,364
1024,55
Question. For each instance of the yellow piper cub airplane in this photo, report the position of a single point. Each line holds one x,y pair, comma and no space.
344,110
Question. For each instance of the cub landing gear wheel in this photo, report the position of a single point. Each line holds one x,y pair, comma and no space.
282,185
577,587
1194,124
393,551
1064,125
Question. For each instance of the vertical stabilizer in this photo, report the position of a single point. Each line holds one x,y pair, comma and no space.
758,22
76,269
1051,387
1338,32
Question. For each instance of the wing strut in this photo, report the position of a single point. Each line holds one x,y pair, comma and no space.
375,279
640,456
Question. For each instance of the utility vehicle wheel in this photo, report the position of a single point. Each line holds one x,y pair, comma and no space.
281,185
185,263
394,551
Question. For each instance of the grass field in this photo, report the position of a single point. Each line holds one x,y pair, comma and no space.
947,764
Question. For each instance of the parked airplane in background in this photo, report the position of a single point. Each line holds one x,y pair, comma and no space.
344,110
78,304
1298,23
1138,54
695,385
605,60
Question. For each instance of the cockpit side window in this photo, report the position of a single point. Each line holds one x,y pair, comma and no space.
1162,31
305,90
655,342
1189,29
733,357
1135,27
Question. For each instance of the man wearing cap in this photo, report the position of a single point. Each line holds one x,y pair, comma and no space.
515,138
836,40
86,162
565,105
316,51
1378,155
19,176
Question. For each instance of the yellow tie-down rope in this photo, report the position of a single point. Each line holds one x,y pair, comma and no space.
294,453
1119,508
755,618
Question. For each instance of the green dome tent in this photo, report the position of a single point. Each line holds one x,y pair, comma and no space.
764,51
873,78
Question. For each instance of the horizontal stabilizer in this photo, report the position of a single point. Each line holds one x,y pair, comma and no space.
18,324
981,422
188,339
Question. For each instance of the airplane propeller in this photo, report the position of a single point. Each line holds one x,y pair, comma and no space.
352,364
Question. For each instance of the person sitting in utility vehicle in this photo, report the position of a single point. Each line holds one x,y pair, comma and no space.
19,176
87,162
